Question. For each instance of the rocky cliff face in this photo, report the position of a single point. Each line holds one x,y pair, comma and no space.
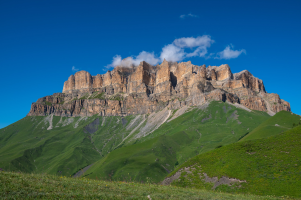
146,89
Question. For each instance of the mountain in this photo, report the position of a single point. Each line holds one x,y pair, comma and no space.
146,89
141,122
64,145
269,166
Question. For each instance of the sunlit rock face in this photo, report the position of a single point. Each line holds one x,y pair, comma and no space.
145,89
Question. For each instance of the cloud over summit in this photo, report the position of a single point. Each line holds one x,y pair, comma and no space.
134,60
178,50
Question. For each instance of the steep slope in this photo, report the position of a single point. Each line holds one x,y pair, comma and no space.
46,145
280,122
64,145
268,166
144,156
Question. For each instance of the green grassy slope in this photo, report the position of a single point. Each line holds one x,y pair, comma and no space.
197,131
31,186
74,143
28,146
270,166
280,122
70,145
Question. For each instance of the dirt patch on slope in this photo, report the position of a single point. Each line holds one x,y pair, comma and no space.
81,172
224,180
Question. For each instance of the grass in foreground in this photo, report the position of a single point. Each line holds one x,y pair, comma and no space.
34,186
270,166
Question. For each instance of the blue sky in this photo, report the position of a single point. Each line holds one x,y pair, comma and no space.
41,41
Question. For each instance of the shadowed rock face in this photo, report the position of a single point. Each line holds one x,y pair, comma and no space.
145,89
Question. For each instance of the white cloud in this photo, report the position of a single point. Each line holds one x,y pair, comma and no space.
147,57
228,53
188,15
74,69
172,53
200,51
129,61
176,50
189,42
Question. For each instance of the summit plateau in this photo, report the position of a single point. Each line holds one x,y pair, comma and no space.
146,89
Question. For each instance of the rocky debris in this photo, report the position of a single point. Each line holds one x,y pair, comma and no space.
49,119
79,120
60,122
179,112
145,89
67,121
153,122
137,122
134,122
203,176
240,106
223,180
81,172
169,180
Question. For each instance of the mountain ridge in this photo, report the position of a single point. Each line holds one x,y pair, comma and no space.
145,89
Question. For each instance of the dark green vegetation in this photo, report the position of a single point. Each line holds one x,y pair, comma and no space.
197,131
33,186
270,166
28,146
279,123
71,144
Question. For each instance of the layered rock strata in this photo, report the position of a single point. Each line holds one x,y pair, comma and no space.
145,89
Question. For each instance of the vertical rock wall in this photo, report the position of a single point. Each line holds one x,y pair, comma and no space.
146,88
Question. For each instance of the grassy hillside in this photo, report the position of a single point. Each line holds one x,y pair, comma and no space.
152,157
30,186
60,145
28,146
280,122
63,146
270,166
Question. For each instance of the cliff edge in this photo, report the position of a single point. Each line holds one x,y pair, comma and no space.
145,89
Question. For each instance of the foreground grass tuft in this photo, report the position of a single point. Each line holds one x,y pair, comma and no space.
35,186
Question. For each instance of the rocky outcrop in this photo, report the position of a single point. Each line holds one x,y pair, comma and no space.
145,89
